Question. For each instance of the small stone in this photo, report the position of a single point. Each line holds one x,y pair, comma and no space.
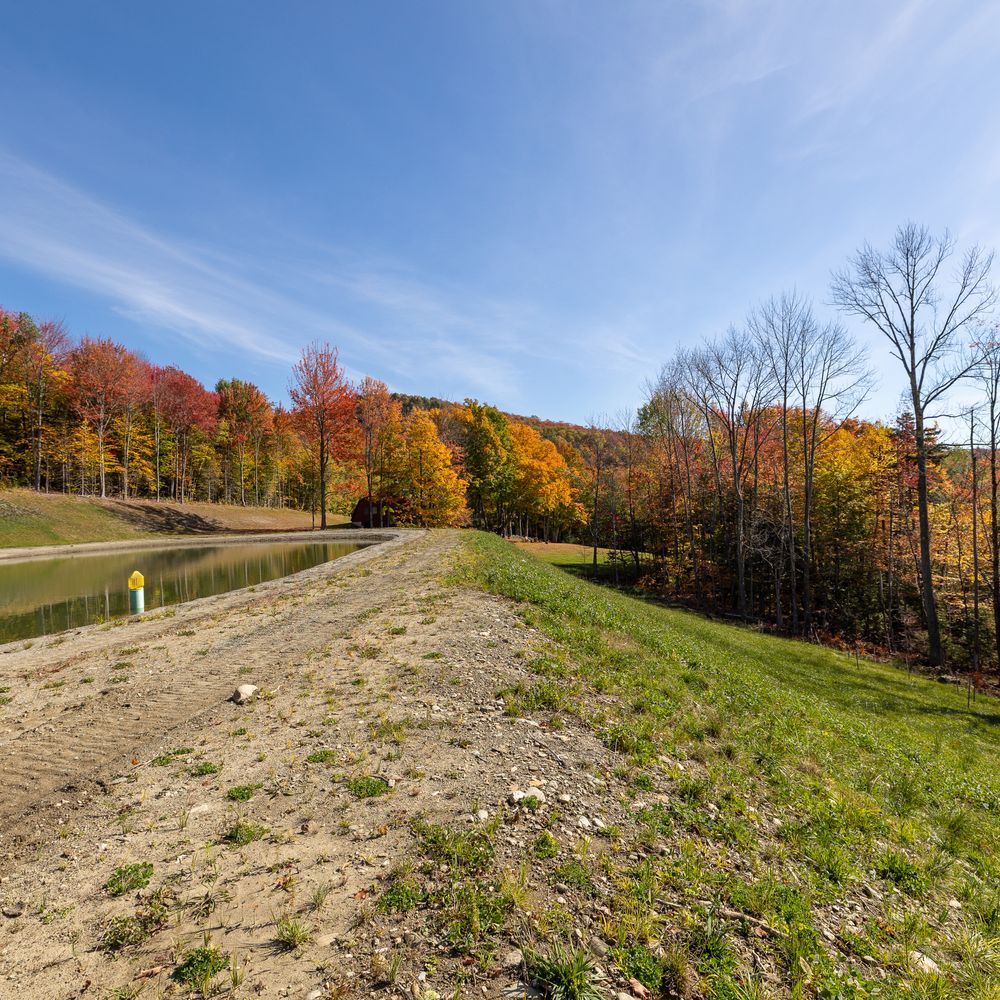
513,959
954,904
315,995
13,911
244,693
599,947
584,823
925,964
483,815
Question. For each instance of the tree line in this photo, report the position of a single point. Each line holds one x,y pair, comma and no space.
92,417
750,486
746,484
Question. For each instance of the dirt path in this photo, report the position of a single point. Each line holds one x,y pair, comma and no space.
87,703
277,831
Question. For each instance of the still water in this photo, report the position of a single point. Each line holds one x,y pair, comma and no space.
51,595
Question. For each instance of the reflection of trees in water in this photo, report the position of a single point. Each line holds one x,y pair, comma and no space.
52,595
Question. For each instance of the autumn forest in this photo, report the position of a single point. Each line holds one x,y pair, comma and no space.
747,484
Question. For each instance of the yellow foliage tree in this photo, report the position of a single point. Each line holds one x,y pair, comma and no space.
421,485
541,490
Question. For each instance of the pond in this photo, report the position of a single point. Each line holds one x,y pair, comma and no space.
42,596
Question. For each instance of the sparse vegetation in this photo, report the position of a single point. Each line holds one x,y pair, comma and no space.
367,786
205,768
200,967
242,793
292,933
776,753
128,878
563,974
244,832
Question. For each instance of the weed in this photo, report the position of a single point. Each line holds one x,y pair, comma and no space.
242,793
367,786
402,895
468,851
168,758
319,895
122,932
127,878
563,974
292,933
200,967
545,845
322,757
895,867
575,875
244,832
205,768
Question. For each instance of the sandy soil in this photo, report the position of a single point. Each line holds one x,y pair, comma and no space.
368,667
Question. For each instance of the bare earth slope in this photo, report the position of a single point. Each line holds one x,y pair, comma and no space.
281,833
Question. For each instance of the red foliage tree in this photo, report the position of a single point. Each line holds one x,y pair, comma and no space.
43,354
98,368
187,407
324,405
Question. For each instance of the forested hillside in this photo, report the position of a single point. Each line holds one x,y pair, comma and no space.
746,484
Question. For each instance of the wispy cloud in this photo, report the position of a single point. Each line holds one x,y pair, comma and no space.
381,313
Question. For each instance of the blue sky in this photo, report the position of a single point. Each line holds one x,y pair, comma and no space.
531,202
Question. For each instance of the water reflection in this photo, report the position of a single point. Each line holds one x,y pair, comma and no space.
51,595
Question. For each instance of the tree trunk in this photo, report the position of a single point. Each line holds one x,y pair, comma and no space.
935,653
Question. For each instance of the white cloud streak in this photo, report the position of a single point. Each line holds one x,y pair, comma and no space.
410,332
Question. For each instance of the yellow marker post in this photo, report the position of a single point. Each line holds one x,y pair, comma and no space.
136,593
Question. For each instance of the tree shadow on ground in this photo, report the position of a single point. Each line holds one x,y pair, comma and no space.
166,520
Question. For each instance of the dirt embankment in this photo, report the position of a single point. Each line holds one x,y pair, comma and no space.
332,836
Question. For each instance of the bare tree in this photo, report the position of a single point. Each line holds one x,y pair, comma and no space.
733,387
906,294
597,445
988,374
821,378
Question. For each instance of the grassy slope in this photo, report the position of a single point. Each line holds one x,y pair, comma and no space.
564,554
855,810
29,518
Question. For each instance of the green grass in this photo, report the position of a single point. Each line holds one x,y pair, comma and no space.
28,519
564,975
795,780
